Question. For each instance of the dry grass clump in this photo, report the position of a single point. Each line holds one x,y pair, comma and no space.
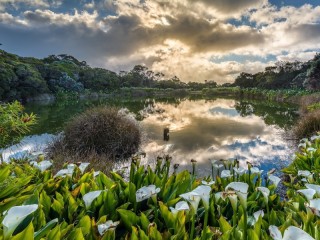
308,100
307,125
101,134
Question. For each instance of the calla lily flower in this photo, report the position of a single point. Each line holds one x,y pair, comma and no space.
218,166
193,198
103,228
42,166
308,193
302,145
257,214
204,193
311,149
96,173
71,166
265,192
206,183
241,190
64,172
226,174
213,161
89,197
304,173
314,206
314,187
217,196
180,206
83,166
232,196
314,137
240,170
289,234
255,170
274,179
146,192
15,216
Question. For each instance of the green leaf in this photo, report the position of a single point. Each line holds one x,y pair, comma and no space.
25,234
128,218
54,233
43,231
224,225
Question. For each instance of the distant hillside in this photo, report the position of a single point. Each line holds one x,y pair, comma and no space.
22,78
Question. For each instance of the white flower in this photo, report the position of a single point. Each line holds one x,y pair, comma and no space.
274,179
71,167
314,137
255,170
217,196
232,196
275,232
206,183
311,149
304,173
226,174
102,228
96,173
89,197
302,145
240,171
64,172
42,166
308,193
218,166
146,192
314,205
15,216
213,161
180,206
314,187
83,166
265,192
204,193
257,214
289,234
193,198
241,190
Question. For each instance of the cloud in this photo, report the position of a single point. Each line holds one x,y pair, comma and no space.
177,37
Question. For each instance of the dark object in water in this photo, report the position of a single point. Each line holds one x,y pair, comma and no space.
166,134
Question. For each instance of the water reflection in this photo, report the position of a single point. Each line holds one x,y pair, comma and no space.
219,129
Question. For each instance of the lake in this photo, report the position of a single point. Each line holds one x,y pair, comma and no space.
200,129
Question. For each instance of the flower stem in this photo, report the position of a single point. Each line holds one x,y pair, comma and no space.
192,226
245,224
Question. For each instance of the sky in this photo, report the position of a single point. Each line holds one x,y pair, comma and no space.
195,40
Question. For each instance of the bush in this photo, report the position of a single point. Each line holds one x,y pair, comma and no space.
308,125
102,130
14,123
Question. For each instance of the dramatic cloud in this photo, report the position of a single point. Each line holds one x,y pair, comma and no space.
191,39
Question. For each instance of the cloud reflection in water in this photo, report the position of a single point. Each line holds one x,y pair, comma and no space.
204,130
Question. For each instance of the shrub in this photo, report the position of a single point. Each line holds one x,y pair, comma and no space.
308,125
102,130
14,123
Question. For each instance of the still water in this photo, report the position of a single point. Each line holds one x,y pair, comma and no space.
200,129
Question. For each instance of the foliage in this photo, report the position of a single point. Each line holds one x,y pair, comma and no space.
284,75
93,206
102,130
14,123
